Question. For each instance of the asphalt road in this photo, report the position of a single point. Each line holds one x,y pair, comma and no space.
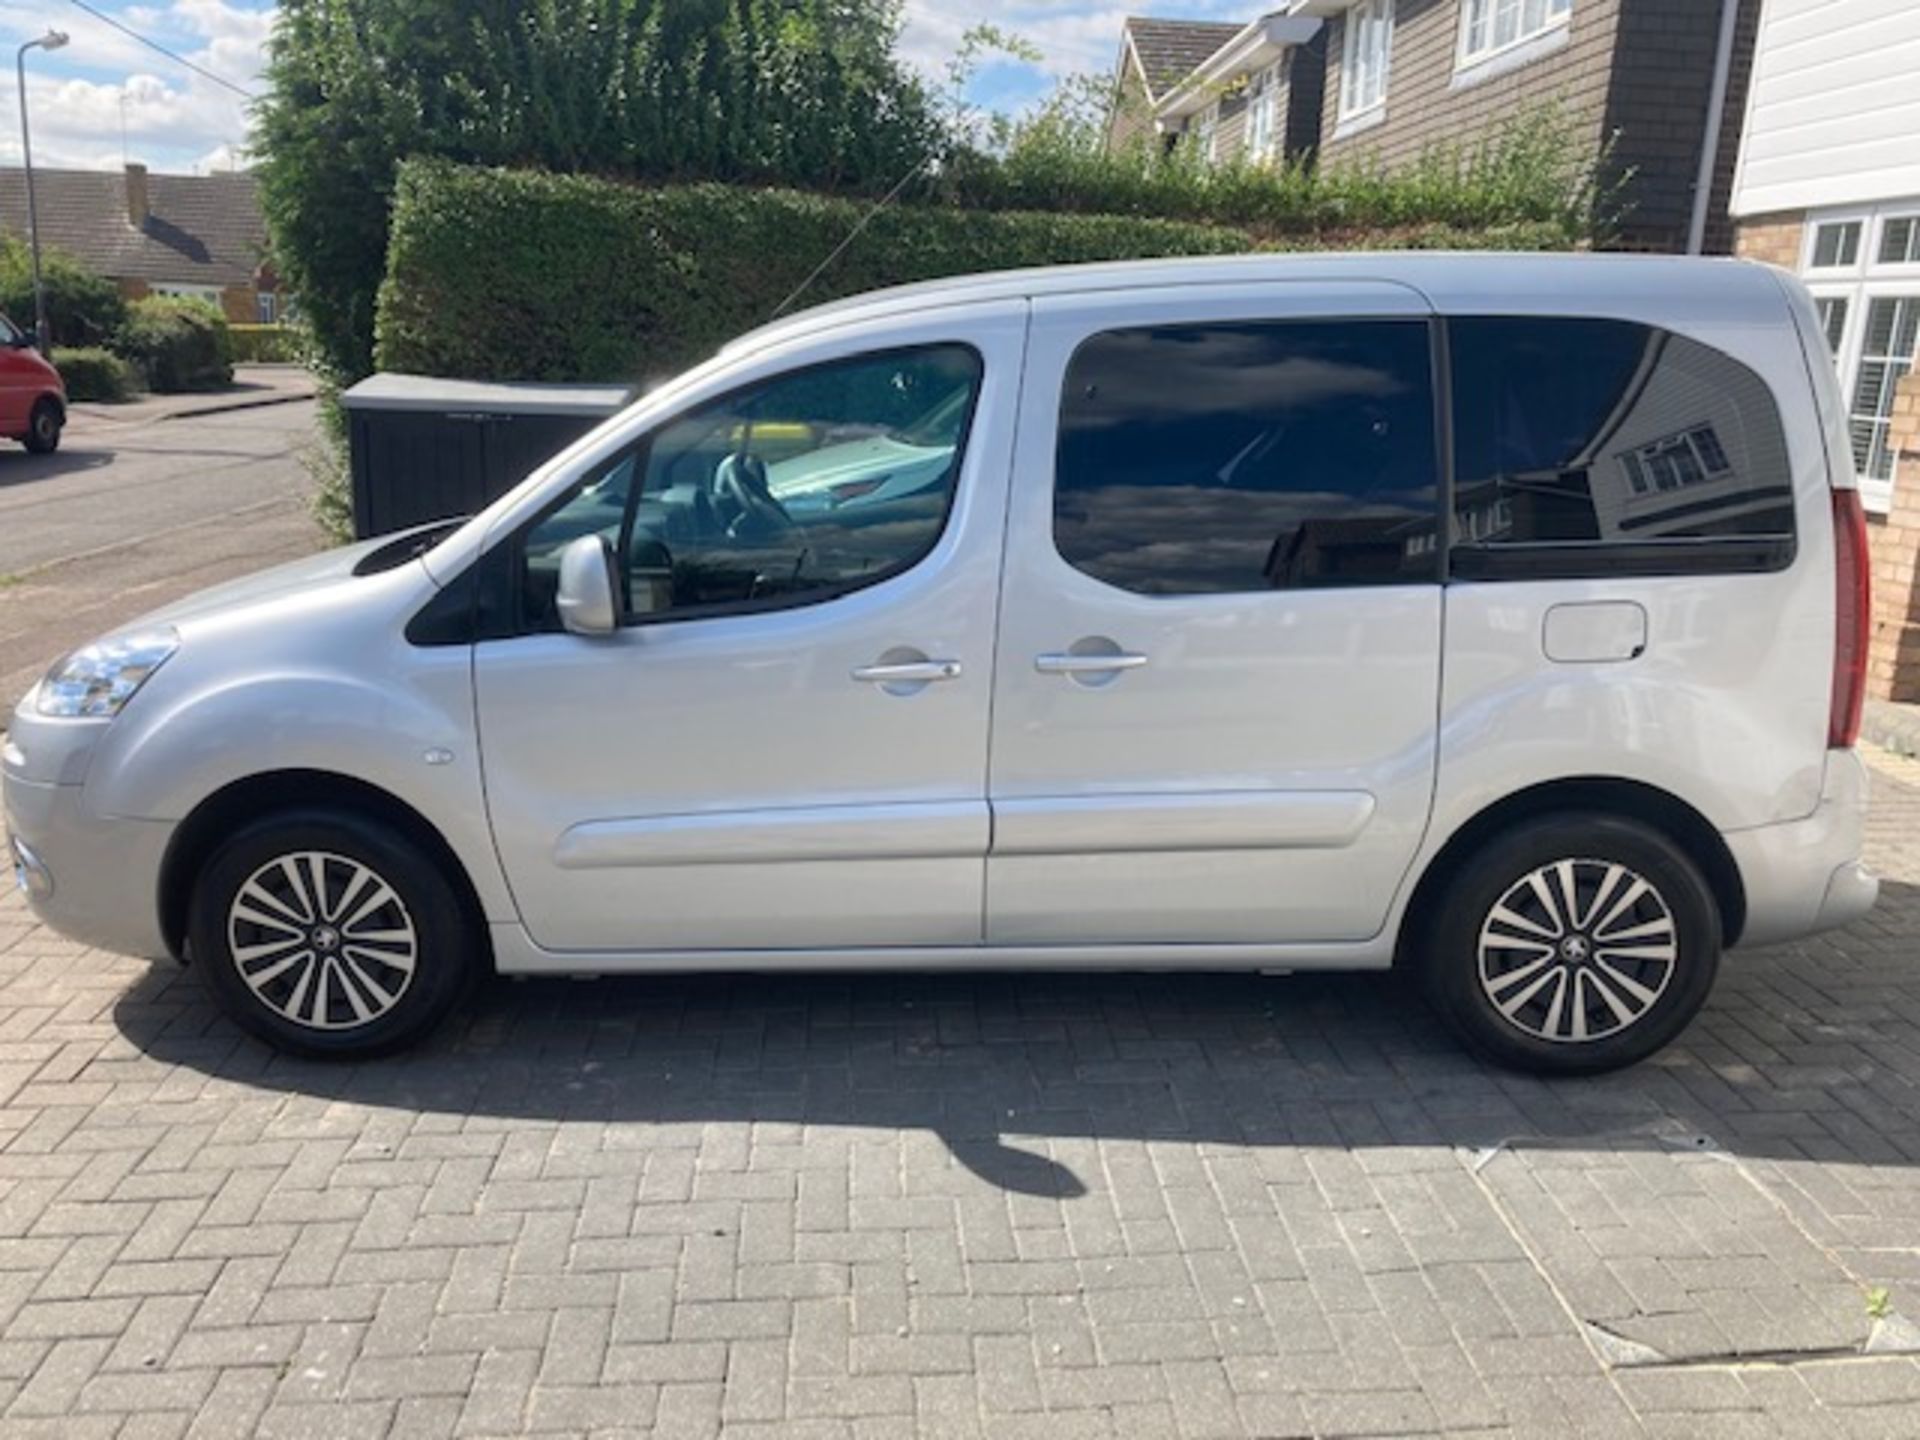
131,514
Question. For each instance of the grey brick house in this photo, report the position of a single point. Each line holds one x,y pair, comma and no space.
1665,80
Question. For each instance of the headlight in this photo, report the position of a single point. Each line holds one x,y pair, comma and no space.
98,679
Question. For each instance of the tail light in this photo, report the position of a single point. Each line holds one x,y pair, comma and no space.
1852,618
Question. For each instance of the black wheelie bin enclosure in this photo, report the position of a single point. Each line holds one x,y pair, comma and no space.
429,449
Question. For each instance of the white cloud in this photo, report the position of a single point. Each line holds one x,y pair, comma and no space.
177,120
106,89
1072,35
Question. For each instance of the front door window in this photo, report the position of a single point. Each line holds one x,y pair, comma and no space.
786,493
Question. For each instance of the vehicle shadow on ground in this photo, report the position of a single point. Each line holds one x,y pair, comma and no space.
1809,1051
20,467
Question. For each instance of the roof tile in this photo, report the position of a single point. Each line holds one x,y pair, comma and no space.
1171,50
200,230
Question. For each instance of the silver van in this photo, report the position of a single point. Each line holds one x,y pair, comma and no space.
1497,617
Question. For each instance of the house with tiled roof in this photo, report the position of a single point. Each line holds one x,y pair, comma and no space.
197,235
1248,89
1155,56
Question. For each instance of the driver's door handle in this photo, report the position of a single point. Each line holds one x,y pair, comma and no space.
908,672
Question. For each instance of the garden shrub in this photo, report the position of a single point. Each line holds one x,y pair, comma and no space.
177,344
519,275
91,373
263,344
83,308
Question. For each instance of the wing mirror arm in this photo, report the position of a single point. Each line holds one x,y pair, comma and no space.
589,591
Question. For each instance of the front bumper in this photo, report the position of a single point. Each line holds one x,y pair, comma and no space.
1807,876
93,878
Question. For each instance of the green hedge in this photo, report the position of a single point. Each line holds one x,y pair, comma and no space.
522,275
498,274
91,373
178,344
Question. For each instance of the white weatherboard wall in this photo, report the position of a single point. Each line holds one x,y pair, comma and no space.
1833,113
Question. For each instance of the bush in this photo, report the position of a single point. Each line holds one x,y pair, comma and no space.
803,92
82,308
1534,170
177,344
263,344
91,373
498,274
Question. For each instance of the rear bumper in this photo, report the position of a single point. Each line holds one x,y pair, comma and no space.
1807,876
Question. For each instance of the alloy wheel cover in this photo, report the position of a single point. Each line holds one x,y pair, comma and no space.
1577,950
322,940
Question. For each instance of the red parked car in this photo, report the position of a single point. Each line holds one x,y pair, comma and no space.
33,402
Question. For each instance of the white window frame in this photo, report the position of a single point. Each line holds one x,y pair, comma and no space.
1368,21
1263,113
186,290
1859,285
1489,57
1206,132
266,307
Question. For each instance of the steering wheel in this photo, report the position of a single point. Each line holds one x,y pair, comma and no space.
740,483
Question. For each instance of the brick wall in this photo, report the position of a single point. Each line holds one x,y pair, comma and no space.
1893,656
237,302
240,304
1772,238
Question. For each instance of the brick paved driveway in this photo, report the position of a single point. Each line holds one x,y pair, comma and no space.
960,1206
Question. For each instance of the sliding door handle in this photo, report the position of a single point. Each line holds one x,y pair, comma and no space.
1068,664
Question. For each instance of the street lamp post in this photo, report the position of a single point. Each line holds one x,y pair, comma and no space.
52,40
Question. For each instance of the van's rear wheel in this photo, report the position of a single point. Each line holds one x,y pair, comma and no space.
1573,944
327,933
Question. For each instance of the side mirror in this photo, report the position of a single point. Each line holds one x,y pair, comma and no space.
589,587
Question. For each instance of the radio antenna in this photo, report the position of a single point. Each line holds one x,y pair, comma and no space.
978,41
851,236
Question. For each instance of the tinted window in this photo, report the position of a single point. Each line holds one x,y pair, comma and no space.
788,492
1594,437
1203,459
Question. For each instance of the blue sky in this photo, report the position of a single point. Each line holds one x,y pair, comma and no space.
105,96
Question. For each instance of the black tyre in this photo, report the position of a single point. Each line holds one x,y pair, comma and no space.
1572,944
327,933
44,426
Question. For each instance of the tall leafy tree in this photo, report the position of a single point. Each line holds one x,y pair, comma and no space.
797,92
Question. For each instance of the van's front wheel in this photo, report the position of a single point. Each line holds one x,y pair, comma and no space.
327,933
1573,944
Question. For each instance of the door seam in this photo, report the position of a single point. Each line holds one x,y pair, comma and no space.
999,611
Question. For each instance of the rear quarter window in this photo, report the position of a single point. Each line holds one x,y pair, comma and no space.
1601,447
